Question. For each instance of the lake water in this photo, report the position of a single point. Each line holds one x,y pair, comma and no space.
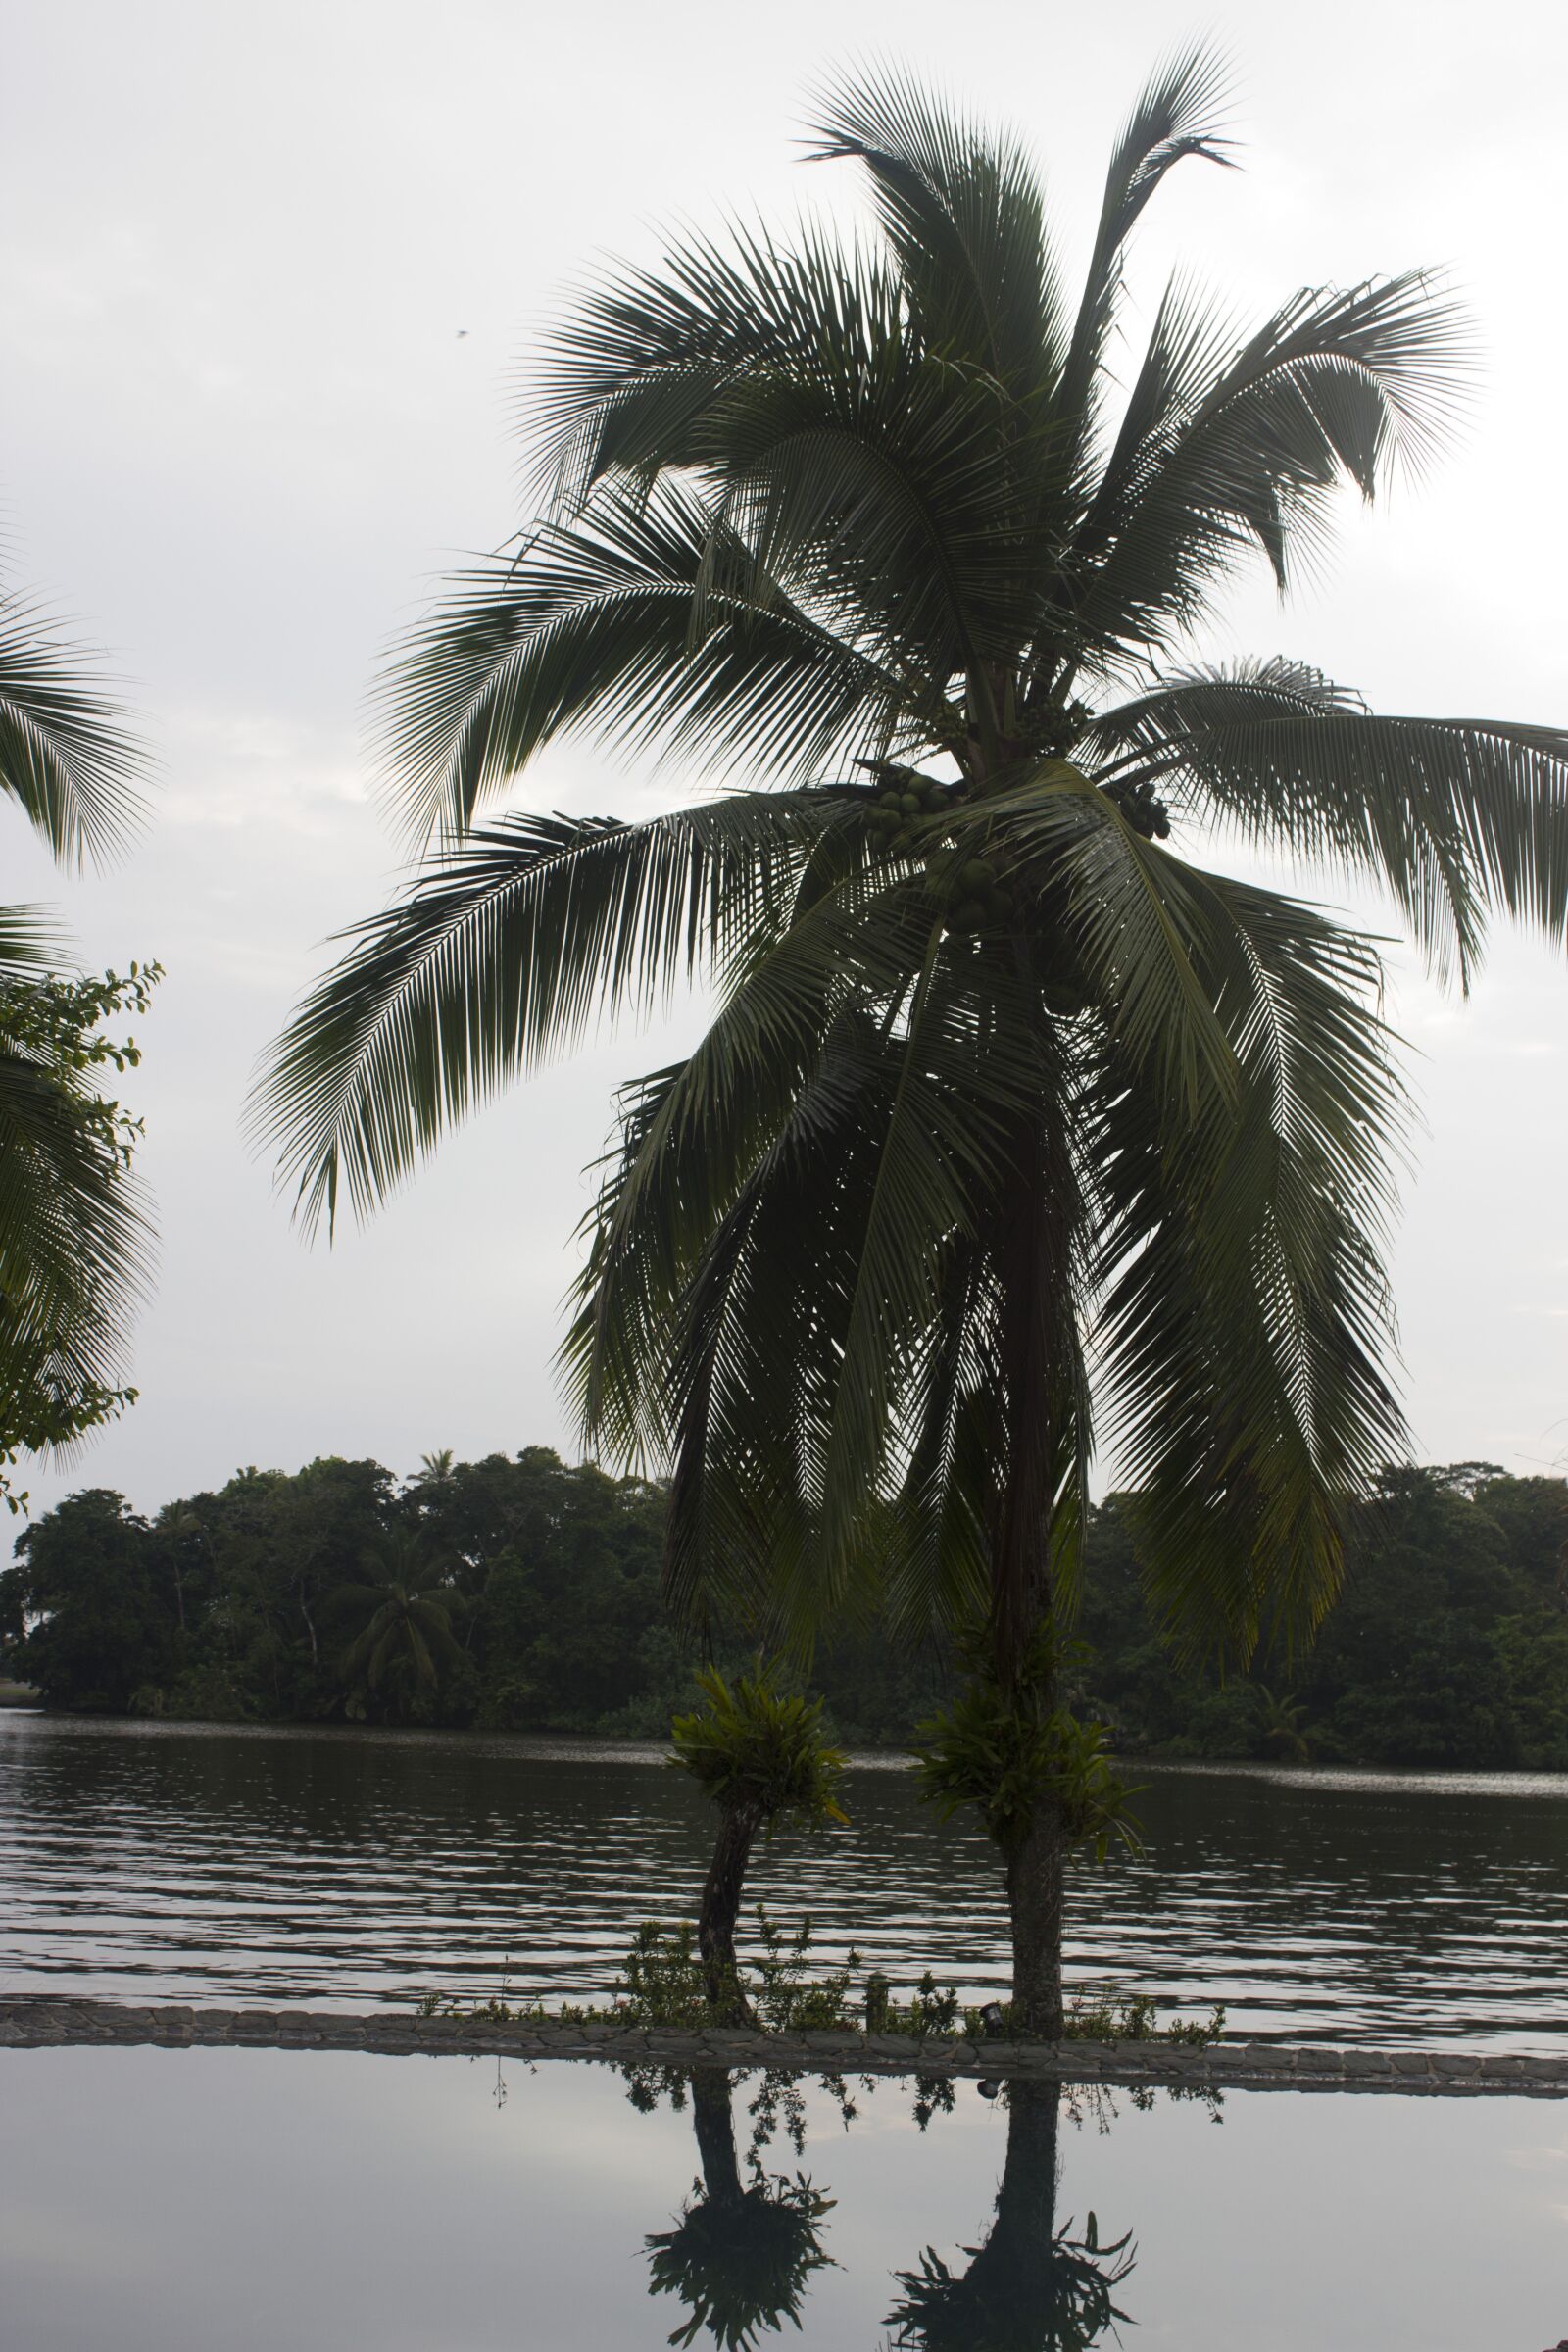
240,2201
350,1868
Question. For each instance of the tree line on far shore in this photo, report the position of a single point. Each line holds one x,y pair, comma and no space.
523,1593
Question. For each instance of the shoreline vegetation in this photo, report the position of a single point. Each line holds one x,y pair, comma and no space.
522,1594
662,1987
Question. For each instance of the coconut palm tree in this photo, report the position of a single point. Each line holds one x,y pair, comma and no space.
1281,1722
1004,1084
73,1233
406,1637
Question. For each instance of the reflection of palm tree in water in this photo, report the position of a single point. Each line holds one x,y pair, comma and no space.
741,2254
1029,2288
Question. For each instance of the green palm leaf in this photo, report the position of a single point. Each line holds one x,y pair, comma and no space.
1177,115
644,617
1455,818
501,956
66,757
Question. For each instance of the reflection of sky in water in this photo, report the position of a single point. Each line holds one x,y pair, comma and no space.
199,1863
226,2201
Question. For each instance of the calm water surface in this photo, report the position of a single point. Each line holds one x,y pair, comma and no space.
349,1868
240,2201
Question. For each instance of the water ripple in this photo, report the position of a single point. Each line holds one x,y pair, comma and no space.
350,1869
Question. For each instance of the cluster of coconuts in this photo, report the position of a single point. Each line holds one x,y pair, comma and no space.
905,796
976,898
1144,811
975,895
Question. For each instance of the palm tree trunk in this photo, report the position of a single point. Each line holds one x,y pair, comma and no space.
1009,2279
714,2120
1041,1369
738,1826
1036,1878
1026,2202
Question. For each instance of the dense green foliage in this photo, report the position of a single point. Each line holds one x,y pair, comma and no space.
1450,1646
73,1234
73,1237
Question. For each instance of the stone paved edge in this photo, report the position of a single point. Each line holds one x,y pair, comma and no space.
42,2023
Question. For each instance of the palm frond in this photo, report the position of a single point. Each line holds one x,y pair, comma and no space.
638,377
29,944
644,619
74,1243
960,208
1177,115
1337,385
1457,818
65,755
1127,916
1246,1321
895,507
692,1142
501,954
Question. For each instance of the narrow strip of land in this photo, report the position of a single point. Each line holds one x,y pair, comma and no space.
42,2023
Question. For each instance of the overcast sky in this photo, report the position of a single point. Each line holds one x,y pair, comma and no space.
270,275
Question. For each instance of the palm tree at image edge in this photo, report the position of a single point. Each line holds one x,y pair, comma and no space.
75,1236
1003,1087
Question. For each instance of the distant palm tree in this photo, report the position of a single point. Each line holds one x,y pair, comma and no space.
1279,1726
1003,1077
405,1640
74,1242
181,1525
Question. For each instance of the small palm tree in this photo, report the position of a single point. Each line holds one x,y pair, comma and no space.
74,1242
405,1640
1280,1724
1001,1065
763,1760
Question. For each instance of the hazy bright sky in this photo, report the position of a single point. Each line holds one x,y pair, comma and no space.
241,437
